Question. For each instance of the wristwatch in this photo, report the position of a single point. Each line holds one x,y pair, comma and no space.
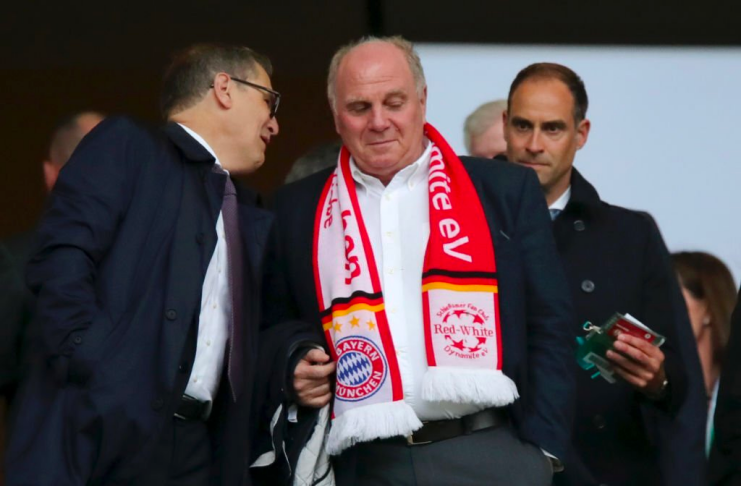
661,392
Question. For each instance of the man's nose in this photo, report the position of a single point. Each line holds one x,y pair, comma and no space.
273,126
379,121
534,144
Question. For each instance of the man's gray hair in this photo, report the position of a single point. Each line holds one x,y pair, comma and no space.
482,118
406,47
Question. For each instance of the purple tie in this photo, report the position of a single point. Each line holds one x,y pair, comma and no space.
235,262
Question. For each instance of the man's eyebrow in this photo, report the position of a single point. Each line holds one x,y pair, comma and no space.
521,121
396,94
560,124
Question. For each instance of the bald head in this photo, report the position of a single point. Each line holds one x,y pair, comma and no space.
64,140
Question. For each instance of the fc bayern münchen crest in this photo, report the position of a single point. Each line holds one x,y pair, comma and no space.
361,368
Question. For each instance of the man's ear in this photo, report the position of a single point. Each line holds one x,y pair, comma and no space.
504,125
223,88
582,133
51,172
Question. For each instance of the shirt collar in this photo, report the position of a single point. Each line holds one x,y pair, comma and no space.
410,175
205,144
562,201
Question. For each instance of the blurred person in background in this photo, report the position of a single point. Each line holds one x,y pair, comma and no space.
483,130
316,159
16,301
710,294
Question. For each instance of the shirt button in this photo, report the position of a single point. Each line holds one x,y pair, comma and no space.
195,380
579,225
171,314
208,343
587,286
388,197
390,271
214,306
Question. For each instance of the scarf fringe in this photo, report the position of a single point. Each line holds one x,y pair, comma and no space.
377,421
485,387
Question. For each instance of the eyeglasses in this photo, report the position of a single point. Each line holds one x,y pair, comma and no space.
274,95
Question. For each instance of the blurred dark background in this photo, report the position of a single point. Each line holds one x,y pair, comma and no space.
59,58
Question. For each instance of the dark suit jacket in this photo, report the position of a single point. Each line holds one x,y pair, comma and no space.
121,256
535,306
725,456
616,261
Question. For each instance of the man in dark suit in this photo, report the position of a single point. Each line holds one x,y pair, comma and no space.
647,428
399,417
146,281
725,454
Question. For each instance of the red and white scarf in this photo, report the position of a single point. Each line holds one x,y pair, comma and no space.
459,298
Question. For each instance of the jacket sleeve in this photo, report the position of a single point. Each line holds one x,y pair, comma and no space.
549,399
664,310
88,202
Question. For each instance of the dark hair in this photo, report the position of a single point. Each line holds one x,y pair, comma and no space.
549,70
192,70
706,277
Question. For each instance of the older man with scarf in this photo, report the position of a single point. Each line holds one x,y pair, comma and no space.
416,298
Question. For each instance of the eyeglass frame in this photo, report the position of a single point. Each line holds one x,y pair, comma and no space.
275,102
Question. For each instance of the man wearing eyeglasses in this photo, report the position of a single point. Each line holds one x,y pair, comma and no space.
146,277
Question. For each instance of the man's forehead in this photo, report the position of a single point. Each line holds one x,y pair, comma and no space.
375,62
547,97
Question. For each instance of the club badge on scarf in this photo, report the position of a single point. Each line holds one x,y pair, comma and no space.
460,305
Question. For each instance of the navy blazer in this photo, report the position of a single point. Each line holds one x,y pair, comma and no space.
118,272
535,308
616,261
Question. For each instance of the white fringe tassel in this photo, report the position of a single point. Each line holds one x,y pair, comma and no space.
486,387
369,422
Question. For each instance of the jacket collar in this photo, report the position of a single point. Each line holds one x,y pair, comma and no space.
191,148
585,200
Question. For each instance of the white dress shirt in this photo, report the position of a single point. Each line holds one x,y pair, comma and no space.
213,324
397,220
562,201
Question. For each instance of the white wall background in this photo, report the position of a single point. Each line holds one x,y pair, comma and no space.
666,127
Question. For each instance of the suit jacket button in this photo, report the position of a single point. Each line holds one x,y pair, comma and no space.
200,238
599,422
587,286
182,368
579,225
157,403
77,340
171,314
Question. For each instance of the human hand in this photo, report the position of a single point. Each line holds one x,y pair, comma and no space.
639,363
311,379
